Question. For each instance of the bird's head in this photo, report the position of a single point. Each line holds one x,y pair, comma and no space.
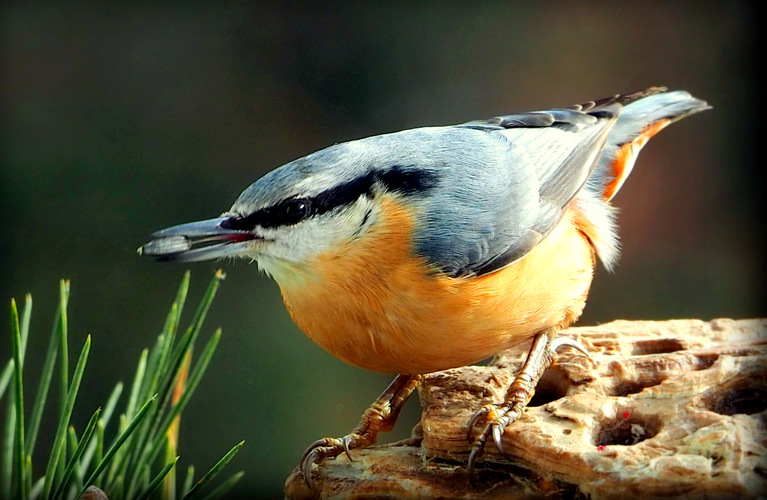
303,209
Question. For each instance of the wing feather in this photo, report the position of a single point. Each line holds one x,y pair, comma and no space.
523,173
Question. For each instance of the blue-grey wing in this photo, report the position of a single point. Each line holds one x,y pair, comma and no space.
509,182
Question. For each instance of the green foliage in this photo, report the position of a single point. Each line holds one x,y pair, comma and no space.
139,461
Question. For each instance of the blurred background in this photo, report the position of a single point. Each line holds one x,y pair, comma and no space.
119,120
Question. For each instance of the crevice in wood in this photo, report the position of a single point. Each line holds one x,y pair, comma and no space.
661,409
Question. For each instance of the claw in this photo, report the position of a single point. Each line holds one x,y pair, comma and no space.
474,419
470,467
312,447
567,341
317,451
498,430
476,450
306,467
346,440
497,436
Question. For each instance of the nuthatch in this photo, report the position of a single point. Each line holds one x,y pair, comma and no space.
438,247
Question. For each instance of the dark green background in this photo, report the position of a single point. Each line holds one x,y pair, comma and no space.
119,120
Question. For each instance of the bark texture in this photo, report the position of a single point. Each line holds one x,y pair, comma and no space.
661,409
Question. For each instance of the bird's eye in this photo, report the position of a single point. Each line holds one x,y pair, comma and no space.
295,211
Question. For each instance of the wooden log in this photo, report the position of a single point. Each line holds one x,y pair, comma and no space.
660,409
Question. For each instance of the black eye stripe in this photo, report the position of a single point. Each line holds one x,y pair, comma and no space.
408,181
291,211
286,213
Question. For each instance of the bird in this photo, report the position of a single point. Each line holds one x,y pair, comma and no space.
438,247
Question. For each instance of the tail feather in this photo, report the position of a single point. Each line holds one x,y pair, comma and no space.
643,117
644,114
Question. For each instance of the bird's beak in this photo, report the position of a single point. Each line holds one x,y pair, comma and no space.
198,241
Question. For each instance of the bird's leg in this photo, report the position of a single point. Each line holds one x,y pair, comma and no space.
380,417
497,416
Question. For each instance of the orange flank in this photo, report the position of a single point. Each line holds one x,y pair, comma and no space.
375,304
627,154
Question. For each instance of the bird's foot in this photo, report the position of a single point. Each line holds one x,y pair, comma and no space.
380,417
331,448
497,417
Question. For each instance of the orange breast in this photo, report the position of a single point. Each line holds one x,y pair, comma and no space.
374,303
